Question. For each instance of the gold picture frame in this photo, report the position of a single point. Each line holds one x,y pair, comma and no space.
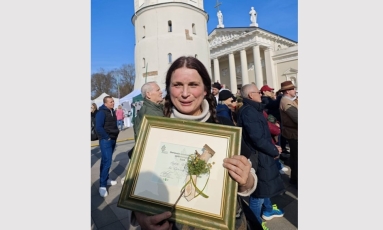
156,172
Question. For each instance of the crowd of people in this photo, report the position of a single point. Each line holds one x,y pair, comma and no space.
269,122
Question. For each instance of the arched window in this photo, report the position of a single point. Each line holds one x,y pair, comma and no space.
193,28
169,26
143,63
170,57
143,32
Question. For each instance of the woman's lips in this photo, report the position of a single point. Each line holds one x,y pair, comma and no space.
185,102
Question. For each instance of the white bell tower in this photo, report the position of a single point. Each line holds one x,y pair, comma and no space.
166,30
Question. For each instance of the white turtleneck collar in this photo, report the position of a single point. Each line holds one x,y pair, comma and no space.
204,116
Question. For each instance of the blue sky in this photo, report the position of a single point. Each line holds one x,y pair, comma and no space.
113,38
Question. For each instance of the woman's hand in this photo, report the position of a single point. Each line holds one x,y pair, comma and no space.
239,169
154,222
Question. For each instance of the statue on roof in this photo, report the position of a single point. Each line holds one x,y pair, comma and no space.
220,19
253,17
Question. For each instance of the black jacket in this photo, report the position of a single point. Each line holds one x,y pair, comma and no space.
106,124
242,206
256,135
272,106
93,133
245,150
223,111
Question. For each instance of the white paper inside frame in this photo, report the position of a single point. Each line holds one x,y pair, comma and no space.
154,182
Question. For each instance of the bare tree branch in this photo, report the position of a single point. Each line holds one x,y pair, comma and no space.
109,82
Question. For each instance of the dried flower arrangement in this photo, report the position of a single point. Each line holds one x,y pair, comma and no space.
197,165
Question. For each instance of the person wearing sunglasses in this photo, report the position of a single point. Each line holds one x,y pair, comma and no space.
256,135
226,104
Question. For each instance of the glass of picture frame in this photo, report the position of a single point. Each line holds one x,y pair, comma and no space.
158,171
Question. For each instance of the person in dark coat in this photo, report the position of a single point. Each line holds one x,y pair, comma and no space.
107,132
215,88
267,95
93,112
256,134
226,104
272,103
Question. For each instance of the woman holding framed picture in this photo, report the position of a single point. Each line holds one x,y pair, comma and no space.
189,97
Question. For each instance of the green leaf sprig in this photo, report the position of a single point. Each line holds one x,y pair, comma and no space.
196,166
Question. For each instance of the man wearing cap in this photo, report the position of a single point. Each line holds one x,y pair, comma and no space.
289,117
267,94
226,104
272,103
215,90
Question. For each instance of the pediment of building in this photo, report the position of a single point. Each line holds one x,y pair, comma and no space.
220,36
228,38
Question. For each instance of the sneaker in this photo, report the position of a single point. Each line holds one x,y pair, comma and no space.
274,213
264,226
281,172
284,169
103,192
111,182
122,180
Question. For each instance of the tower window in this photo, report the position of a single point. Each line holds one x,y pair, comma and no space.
196,56
169,26
143,32
143,63
170,57
193,28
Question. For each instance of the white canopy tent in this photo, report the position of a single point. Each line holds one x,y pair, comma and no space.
99,100
126,101
129,98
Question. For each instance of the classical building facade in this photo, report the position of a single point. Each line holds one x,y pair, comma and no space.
244,55
166,30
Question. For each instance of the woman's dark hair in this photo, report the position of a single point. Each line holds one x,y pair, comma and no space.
190,63
95,107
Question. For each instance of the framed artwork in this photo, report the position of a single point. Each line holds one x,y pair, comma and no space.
177,166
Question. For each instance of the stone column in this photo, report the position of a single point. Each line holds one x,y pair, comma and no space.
269,64
244,69
233,76
257,66
216,71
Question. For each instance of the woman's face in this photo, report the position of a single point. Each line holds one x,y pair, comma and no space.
231,104
187,91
